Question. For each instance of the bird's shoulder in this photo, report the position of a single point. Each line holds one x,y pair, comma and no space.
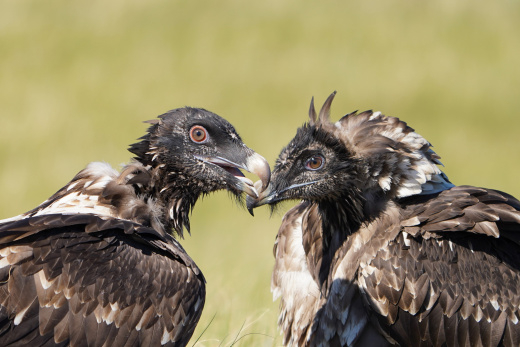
445,276
102,191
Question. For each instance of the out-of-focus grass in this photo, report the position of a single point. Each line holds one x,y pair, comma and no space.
77,78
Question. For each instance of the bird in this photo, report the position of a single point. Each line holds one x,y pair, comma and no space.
99,262
381,248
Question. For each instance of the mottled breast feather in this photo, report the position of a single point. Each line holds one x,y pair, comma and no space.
293,280
317,312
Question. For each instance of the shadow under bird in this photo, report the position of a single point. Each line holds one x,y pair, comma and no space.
97,263
383,249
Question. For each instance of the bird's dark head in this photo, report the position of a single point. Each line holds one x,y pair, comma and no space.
192,152
315,165
360,157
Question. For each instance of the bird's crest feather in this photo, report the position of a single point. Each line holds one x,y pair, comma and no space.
324,115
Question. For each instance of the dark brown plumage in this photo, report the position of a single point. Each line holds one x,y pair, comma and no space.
383,249
97,264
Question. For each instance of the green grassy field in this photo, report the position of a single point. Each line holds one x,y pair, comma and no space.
77,79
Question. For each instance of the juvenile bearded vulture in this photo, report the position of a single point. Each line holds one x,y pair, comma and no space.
97,264
383,249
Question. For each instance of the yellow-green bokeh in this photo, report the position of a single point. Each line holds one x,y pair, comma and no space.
77,78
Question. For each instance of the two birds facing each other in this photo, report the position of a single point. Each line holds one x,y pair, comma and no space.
382,249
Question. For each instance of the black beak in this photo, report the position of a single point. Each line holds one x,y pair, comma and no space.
266,196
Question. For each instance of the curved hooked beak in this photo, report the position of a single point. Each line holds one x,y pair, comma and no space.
254,163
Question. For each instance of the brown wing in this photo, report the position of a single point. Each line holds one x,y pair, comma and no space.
452,276
84,281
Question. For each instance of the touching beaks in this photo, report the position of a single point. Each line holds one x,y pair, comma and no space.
269,195
262,198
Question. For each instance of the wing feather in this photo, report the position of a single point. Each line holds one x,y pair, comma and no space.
461,271
95,283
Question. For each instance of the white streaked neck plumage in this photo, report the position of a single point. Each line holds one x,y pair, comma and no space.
102,191
405,163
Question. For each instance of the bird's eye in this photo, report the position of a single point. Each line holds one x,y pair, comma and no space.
198,134
315,162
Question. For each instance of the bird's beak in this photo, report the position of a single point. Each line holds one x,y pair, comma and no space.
254,163
264,197
271,195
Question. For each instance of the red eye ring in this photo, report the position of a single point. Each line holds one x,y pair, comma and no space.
198,134
314,163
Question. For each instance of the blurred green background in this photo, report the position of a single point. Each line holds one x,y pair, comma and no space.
77,78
